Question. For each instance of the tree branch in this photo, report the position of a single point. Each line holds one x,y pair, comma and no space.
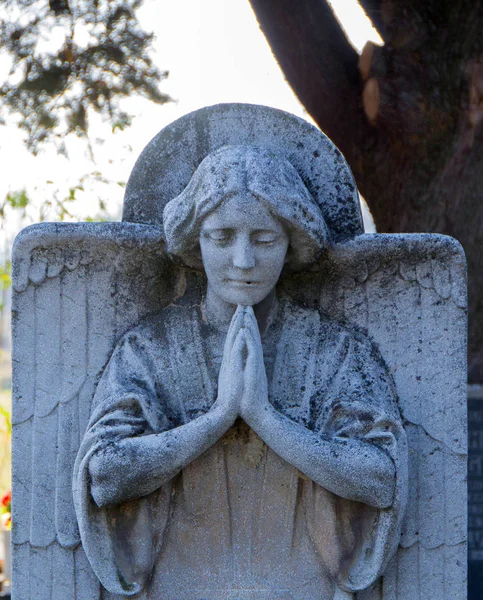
374,11
318,62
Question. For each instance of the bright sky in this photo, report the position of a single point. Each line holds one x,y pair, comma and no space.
215,53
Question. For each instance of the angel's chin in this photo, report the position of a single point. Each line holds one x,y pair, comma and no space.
246,299
243,295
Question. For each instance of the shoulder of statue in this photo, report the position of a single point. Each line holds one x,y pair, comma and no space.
155,338
160,331
315,317
318,324
178,314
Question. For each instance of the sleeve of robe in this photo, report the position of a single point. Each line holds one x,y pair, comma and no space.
120,540
355,541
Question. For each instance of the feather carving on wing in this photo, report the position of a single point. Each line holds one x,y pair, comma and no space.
78,288
408,292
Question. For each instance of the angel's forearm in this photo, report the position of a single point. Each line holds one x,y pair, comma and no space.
350,468
136,466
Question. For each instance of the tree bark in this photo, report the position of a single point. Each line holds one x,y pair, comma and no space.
409,120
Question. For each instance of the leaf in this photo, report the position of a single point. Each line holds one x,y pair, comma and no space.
54,87
18,199
7,417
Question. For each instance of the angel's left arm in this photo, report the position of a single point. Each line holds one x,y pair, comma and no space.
351,468
346,452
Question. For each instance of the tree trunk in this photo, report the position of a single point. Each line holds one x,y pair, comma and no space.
408,116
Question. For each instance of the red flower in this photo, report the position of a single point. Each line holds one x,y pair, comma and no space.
6,501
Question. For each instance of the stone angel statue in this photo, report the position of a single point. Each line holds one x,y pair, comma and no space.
235,393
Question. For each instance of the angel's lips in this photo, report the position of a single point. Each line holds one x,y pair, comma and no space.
243,282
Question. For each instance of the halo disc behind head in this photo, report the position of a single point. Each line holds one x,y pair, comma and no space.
168,162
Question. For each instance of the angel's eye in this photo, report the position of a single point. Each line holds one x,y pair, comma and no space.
265,237
219,235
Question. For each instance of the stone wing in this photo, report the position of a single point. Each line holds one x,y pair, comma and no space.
408,292
77,289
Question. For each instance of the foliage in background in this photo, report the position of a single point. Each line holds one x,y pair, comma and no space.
21,206
7,421
5,452
72,56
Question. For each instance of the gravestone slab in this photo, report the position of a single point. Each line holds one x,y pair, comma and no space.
235,392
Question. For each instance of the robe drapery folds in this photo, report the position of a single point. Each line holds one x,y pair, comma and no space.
239,515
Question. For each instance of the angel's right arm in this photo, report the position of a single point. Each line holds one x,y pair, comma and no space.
134,450
138,465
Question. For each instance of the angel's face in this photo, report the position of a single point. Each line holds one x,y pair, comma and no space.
243,248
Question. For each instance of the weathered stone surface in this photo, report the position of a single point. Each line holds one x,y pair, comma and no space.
233,442
168,162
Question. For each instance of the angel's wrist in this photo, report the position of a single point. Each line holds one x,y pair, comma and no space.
251,413
223,411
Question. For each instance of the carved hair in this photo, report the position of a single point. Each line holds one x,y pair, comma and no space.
267,177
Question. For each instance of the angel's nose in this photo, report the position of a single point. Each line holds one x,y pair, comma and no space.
243,254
